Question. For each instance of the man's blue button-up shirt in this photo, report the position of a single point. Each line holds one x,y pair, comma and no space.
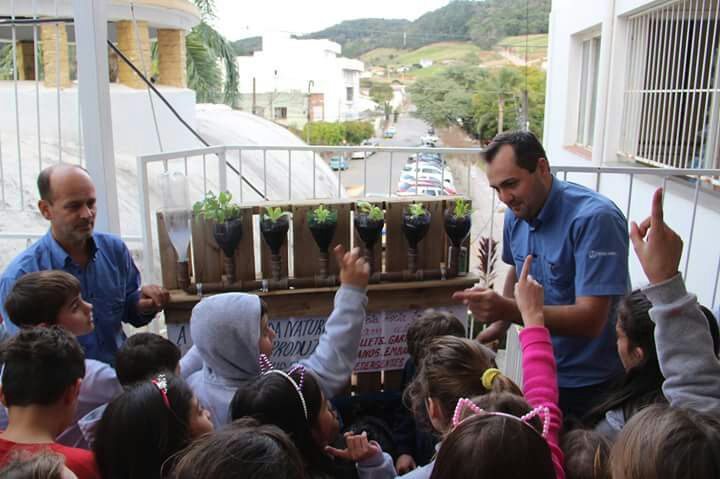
110,282
579,241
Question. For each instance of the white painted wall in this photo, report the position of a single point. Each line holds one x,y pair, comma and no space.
133,126
571,22
286,64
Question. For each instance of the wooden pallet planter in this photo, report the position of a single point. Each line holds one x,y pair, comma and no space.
301,251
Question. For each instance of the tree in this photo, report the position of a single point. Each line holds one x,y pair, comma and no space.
503,83
497,102
482,101
211,68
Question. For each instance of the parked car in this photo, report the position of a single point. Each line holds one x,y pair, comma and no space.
426,169
430,156
390,132
359,155
429,140
424,187
339,163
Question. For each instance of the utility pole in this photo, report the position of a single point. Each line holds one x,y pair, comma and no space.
524,117
254,103
307,127
404,39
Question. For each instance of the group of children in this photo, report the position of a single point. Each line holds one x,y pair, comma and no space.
223,410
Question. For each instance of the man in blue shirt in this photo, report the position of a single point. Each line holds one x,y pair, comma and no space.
101,262
579,240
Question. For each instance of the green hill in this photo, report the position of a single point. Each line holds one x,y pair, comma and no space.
483,23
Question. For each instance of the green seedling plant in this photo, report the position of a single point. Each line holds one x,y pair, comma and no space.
274,214
462,208
417,210
373,212
219,208
322,215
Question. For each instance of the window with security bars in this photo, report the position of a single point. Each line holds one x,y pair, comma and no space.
671,115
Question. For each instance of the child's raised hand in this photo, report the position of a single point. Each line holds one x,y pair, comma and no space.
660,254
358,448
354,270
530,296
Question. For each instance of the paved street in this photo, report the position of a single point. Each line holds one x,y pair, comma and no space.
409,131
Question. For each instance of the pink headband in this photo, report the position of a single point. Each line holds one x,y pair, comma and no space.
160,381
541,411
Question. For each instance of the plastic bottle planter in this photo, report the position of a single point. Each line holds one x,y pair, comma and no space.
323,234
228,235
415,228
369,231
457,229
274,233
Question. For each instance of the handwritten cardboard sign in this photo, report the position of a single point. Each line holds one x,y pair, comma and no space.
382,344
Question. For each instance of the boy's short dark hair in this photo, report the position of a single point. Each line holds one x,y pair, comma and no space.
145,355
430,325
528,149
39,364
37,298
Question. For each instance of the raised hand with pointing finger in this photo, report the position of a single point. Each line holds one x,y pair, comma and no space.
529,296
657,246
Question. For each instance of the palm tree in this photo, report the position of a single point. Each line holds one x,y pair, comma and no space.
503,82
211,68
491,98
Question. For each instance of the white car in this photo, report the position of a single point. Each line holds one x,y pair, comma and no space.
360,155
429,140
410,178
421,191
427,171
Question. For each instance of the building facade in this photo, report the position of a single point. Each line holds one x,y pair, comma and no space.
637,83
292,81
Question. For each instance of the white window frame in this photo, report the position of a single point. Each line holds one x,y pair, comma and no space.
671,99
588,90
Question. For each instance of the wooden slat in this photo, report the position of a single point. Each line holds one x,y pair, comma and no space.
368,382
431,250
245,253
392,380
207,255
377,250
319,301
265,249
168,256
450,203
305,250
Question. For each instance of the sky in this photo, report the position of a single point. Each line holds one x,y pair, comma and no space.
247,18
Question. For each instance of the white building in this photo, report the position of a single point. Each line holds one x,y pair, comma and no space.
637,83
288,75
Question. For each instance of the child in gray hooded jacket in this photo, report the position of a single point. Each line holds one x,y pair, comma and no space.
231,330
682,334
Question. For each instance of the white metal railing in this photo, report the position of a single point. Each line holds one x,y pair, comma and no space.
630,188
693,182
230,161
44,136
